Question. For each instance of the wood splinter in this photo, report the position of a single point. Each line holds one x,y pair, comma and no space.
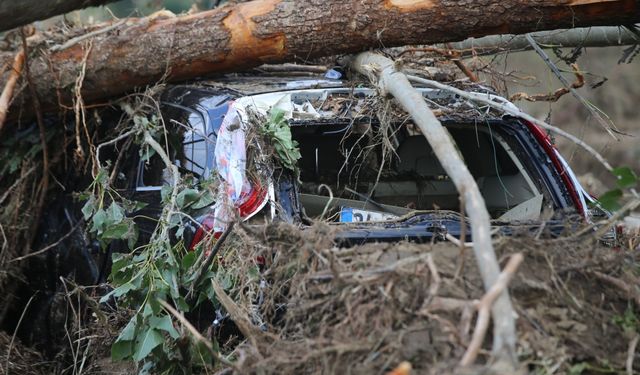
7,93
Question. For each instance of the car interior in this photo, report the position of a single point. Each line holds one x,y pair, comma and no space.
409,177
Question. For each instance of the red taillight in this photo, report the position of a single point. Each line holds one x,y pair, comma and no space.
248,205
544,140
253,201
205,227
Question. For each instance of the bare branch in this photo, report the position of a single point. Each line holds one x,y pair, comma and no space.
484,307
599,36
608,125
382,71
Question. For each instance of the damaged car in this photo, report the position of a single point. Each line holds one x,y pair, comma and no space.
292,150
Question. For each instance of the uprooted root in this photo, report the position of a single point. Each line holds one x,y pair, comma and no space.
366,309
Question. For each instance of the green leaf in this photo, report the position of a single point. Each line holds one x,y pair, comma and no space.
201,354
115,213
254,273
122,273
116,231
101,177
133,236
164,324
99,220
186,197
286,148
118,263
276,116
123,289
139,205
578,368
156,307
146,153
626,178
121,350
129,331
147,310
206,199
188,261
171,278
224,279
182,305
147,342
89,207
165,192
611,200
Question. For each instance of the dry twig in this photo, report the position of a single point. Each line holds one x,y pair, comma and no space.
211,256
78,39
632,353
48,247
198,336
608,126
554,96
239,318
632,290
484,307
15,331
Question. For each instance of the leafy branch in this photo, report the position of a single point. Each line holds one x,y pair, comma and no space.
158,273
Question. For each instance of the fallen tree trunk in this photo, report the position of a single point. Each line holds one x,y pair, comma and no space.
143,51
391,81
602,36
22,12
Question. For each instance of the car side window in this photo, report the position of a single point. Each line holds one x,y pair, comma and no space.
191,149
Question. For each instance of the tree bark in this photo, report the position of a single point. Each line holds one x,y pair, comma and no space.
235,37
14,13
603,36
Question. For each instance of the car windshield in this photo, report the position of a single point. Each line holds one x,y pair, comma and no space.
374,186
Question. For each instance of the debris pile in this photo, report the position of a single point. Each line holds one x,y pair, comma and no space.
366,309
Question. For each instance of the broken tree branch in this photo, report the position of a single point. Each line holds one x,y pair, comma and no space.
7,92
383,72
241,319
601,36
607,125
554,96
211,256
631,353
80,38
197,335
246,35
484,307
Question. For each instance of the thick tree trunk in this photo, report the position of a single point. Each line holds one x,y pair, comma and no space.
14,13
142,51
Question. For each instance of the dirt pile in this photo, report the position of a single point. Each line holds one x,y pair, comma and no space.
365,309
